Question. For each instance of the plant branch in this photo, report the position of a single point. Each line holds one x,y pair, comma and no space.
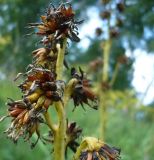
49,122
68,90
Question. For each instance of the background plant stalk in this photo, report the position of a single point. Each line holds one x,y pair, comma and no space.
105,70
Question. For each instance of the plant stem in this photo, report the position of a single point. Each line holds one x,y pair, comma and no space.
60,134
106,54
59,139
49,122
60,60
115,74
103,115
105,75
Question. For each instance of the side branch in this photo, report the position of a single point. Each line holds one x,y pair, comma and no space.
69,90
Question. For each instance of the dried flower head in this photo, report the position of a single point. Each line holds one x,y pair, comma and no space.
95,65
123,59
82,92
119,22
105,14
114,33
57,24
98,31
45,57
40,89
120,6
94,149
25,121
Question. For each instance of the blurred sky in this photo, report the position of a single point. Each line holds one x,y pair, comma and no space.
143,80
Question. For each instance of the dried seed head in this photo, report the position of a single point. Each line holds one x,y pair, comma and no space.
82,92
114,33
57,24
120,6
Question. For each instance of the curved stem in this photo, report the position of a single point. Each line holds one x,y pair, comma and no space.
49,122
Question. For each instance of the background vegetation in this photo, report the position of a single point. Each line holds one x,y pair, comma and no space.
129,122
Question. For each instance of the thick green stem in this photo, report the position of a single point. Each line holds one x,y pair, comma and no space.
60,60
59,139
60,134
